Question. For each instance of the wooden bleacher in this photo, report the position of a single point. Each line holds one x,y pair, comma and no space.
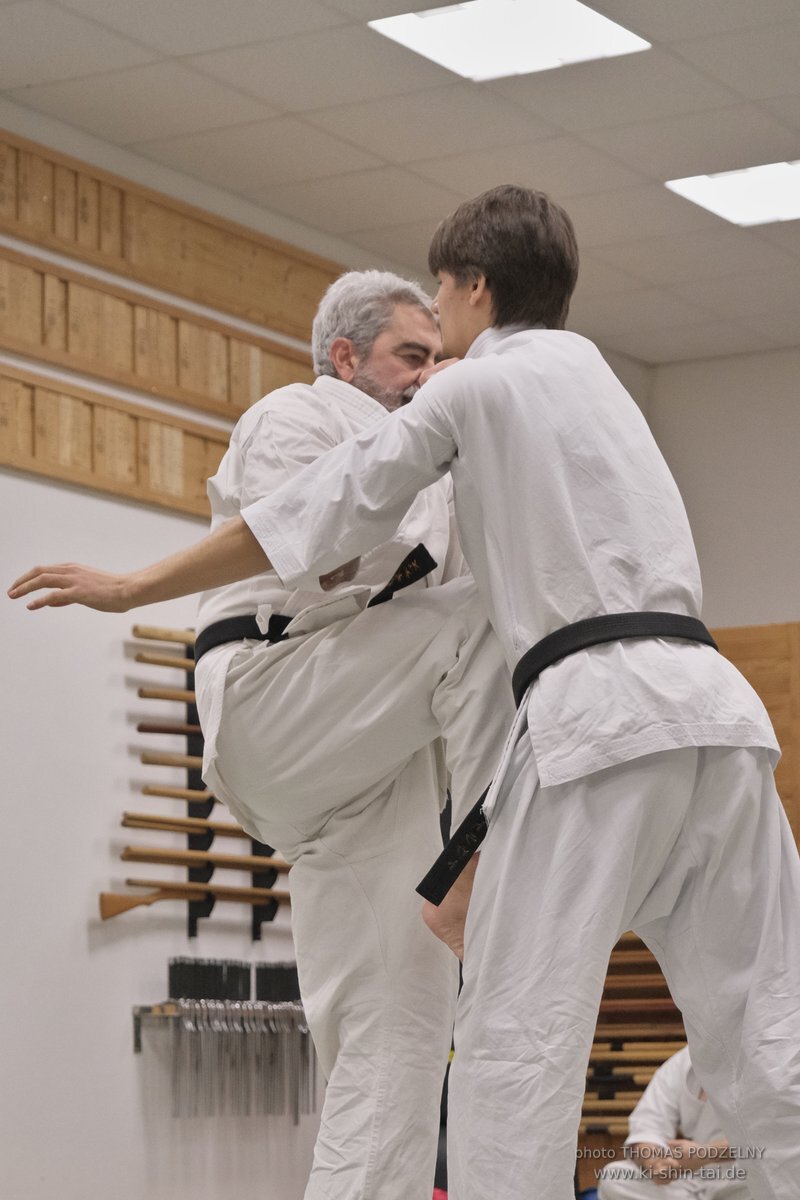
638,1028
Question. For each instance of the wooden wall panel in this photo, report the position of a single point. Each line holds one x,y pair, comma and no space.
67,205
89,439
90,326
769,658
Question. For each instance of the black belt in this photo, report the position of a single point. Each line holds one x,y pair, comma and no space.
415,566
551,649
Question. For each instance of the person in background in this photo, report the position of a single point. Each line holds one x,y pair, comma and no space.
675,1149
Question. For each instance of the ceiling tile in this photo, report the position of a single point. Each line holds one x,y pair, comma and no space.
744,296
40,42
597,279
562,166
262,155
317,70
650,211
784,236
714,339
371,10
609,91
711,254
756,62
404,244
193,26
786,108
130,106
781,328
680,19
725,139
452,120
363,200
629,312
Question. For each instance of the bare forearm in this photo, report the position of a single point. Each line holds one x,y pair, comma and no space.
228,554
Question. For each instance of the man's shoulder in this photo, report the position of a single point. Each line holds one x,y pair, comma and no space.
296,399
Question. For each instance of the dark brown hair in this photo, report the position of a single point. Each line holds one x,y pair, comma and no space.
523,243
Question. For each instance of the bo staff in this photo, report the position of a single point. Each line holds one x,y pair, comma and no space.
181,825
191,762
165,660
156,693
113,903
154,633
193,795
203,858
173,727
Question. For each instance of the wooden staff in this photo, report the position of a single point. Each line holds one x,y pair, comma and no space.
157,693
153,633
165,660
114,903
193,795
203,858
173,727
189,761
182,825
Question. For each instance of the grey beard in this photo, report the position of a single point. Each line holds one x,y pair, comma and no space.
387,397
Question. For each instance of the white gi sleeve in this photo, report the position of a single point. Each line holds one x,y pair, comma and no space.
280,446
656,1117
353,498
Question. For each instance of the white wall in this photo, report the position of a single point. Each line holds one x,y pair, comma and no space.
637,377
77,1120
730,430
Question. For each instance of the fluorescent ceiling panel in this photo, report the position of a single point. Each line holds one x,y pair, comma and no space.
489,39
753,196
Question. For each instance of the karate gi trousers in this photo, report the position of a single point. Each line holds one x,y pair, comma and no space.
692,850
328,750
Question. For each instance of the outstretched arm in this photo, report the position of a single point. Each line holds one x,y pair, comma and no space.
228,554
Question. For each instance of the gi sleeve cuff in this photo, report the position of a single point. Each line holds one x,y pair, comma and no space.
284,561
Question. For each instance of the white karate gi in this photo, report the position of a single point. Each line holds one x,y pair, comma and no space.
636,789
671,1107
326,747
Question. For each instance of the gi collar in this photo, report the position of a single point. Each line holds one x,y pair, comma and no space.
490,340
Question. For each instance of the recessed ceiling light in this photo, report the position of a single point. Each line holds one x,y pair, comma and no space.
489,39
753,196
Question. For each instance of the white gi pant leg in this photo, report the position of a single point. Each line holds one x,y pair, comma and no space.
691,849
325,750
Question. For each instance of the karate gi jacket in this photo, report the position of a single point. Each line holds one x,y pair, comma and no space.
565,509
272,442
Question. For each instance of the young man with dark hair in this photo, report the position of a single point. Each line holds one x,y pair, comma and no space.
636,789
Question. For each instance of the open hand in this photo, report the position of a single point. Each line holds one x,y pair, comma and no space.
73,584
435,369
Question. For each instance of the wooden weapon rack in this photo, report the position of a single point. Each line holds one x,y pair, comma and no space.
174,649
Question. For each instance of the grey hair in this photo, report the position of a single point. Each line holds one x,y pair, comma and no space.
359,306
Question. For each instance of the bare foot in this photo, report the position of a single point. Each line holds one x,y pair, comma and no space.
447,920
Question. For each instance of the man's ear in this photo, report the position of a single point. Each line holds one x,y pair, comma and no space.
344,357
479,293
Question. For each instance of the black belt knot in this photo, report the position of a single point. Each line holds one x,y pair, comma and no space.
415,566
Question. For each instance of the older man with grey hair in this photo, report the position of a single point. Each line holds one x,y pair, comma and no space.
322,715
